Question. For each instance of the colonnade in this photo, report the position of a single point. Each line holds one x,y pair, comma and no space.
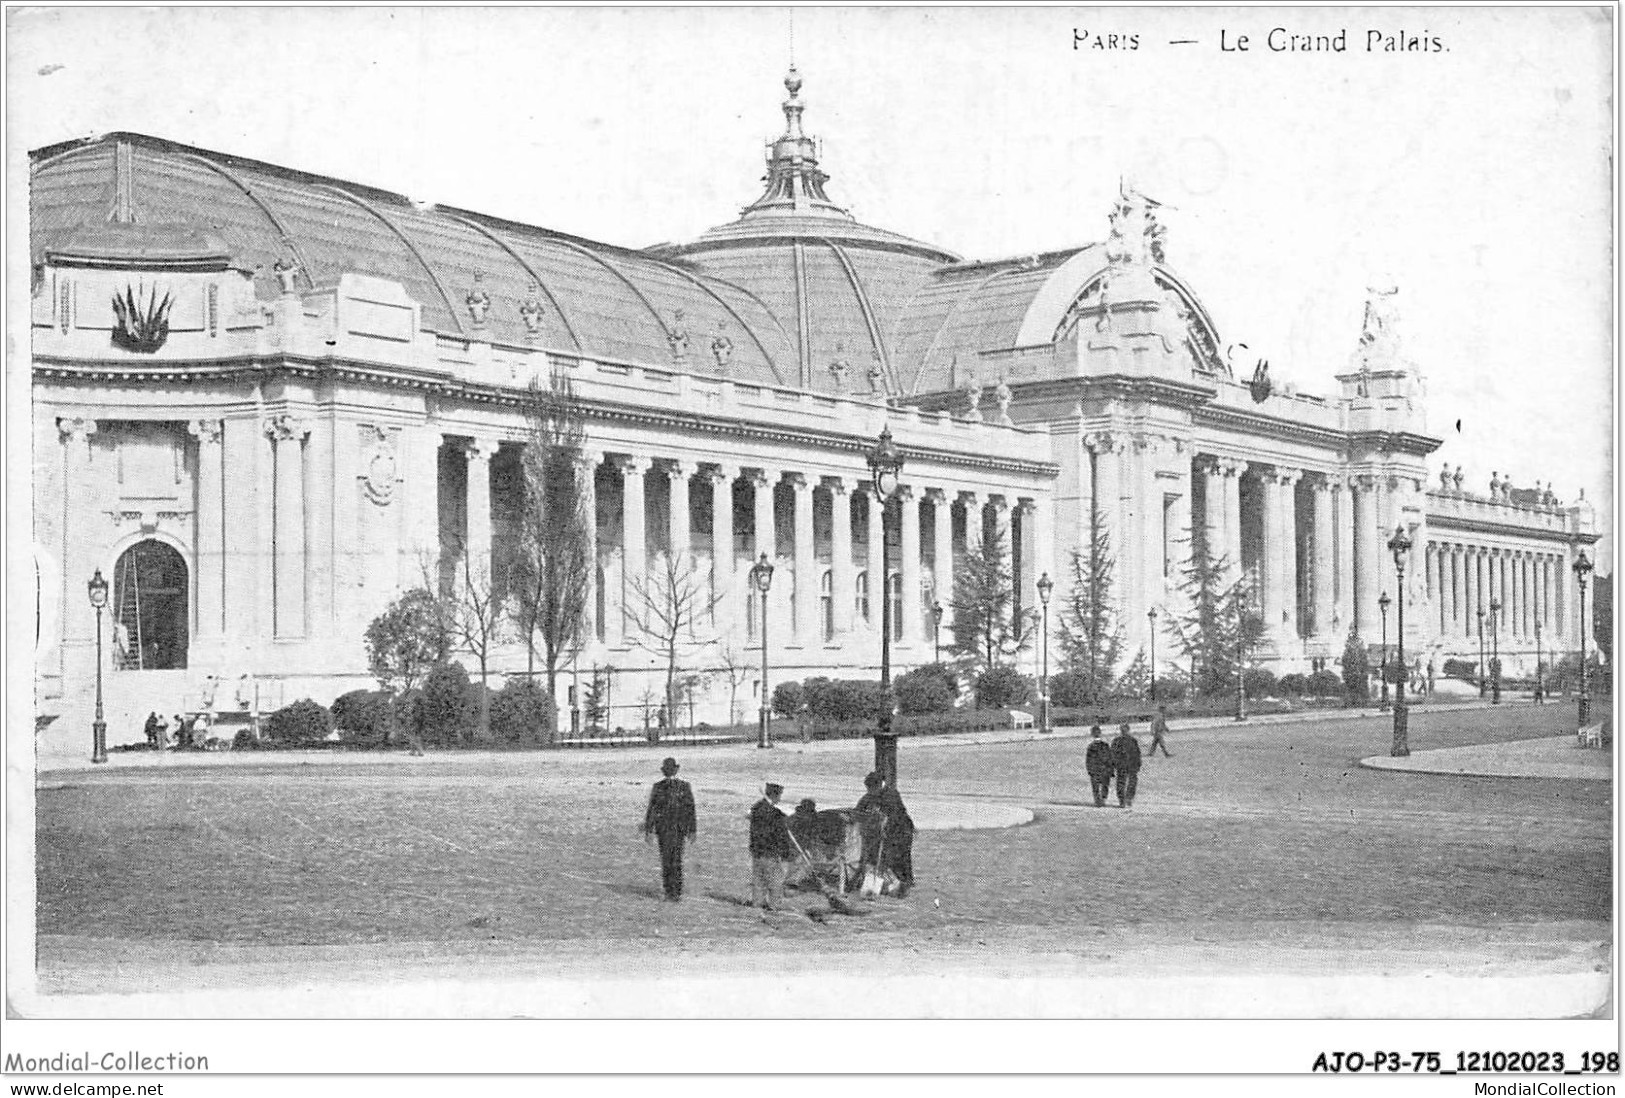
1516,590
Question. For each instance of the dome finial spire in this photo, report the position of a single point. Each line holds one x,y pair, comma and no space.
794,183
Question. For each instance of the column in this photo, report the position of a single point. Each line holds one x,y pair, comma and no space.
287,434
586,486
1287,482
1146,499
78,619
1212,503
479,453
1565,598
877,558
972,504
1546,593
1367,581
1232,470
1527,586
210,516
634,545
678,539
1343,562
1270,600
1495,603
908,550
1458,606
806,562
943,508
723,587
842,574
1430,576
1324,559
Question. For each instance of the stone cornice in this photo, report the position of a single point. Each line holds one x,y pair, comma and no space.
1252,423
443,387
1396,442
1446,524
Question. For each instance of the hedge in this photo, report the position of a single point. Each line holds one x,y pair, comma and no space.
303,722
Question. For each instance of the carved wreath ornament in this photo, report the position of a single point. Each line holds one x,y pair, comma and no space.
379,472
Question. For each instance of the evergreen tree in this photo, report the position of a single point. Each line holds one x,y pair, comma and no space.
1136,680
1205,634
1357,669
1091,633
987,629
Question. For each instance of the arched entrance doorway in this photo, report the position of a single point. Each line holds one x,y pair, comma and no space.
151,608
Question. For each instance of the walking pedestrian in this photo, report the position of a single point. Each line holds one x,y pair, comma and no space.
151,729
1126,762
1098,761
670,820
1159,730
770,848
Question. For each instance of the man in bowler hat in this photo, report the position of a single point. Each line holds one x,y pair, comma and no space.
770,848
670,820
1126,761
1098,761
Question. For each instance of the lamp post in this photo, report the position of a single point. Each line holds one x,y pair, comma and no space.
1045,586
936,631
884,465
1383,602
761,578
1582,570
1400,546
1241,662
1151,691
1483,683
1540,679
98,727
1495,653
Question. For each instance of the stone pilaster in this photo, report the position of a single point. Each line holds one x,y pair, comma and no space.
943,579
908,565
806,562
210,572
877,558
842,577
585,474
287,434
1367,571
1323,563
1286,482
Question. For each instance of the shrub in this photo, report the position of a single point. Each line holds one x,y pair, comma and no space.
1356,670
521,712
1325,684
1260,683
1294,685
1072,689
302,722
787,699
842,699
361,713
449,710
928,689
1002,688
243,740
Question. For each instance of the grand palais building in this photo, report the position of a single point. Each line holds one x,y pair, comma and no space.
336,405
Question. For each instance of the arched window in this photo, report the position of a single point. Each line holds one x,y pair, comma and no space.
861,603
151,608
895,581
826,604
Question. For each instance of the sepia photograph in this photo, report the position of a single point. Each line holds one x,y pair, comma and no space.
899,516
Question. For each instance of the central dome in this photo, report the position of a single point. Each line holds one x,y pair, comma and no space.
838,286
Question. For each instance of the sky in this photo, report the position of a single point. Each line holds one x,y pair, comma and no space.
1474,174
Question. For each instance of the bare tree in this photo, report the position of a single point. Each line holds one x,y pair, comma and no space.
475,617
665,604
737,665
552,571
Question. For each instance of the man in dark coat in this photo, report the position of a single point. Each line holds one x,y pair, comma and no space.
896,838
770,848
1126,762
1098,761
670,819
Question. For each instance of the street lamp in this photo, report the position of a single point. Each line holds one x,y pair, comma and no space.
1151,691
1540,680
884,465
936,631
761,578
1582,570
98,727
1045,586
1383,602
1483,683
1400,546
1241,663
1495,653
